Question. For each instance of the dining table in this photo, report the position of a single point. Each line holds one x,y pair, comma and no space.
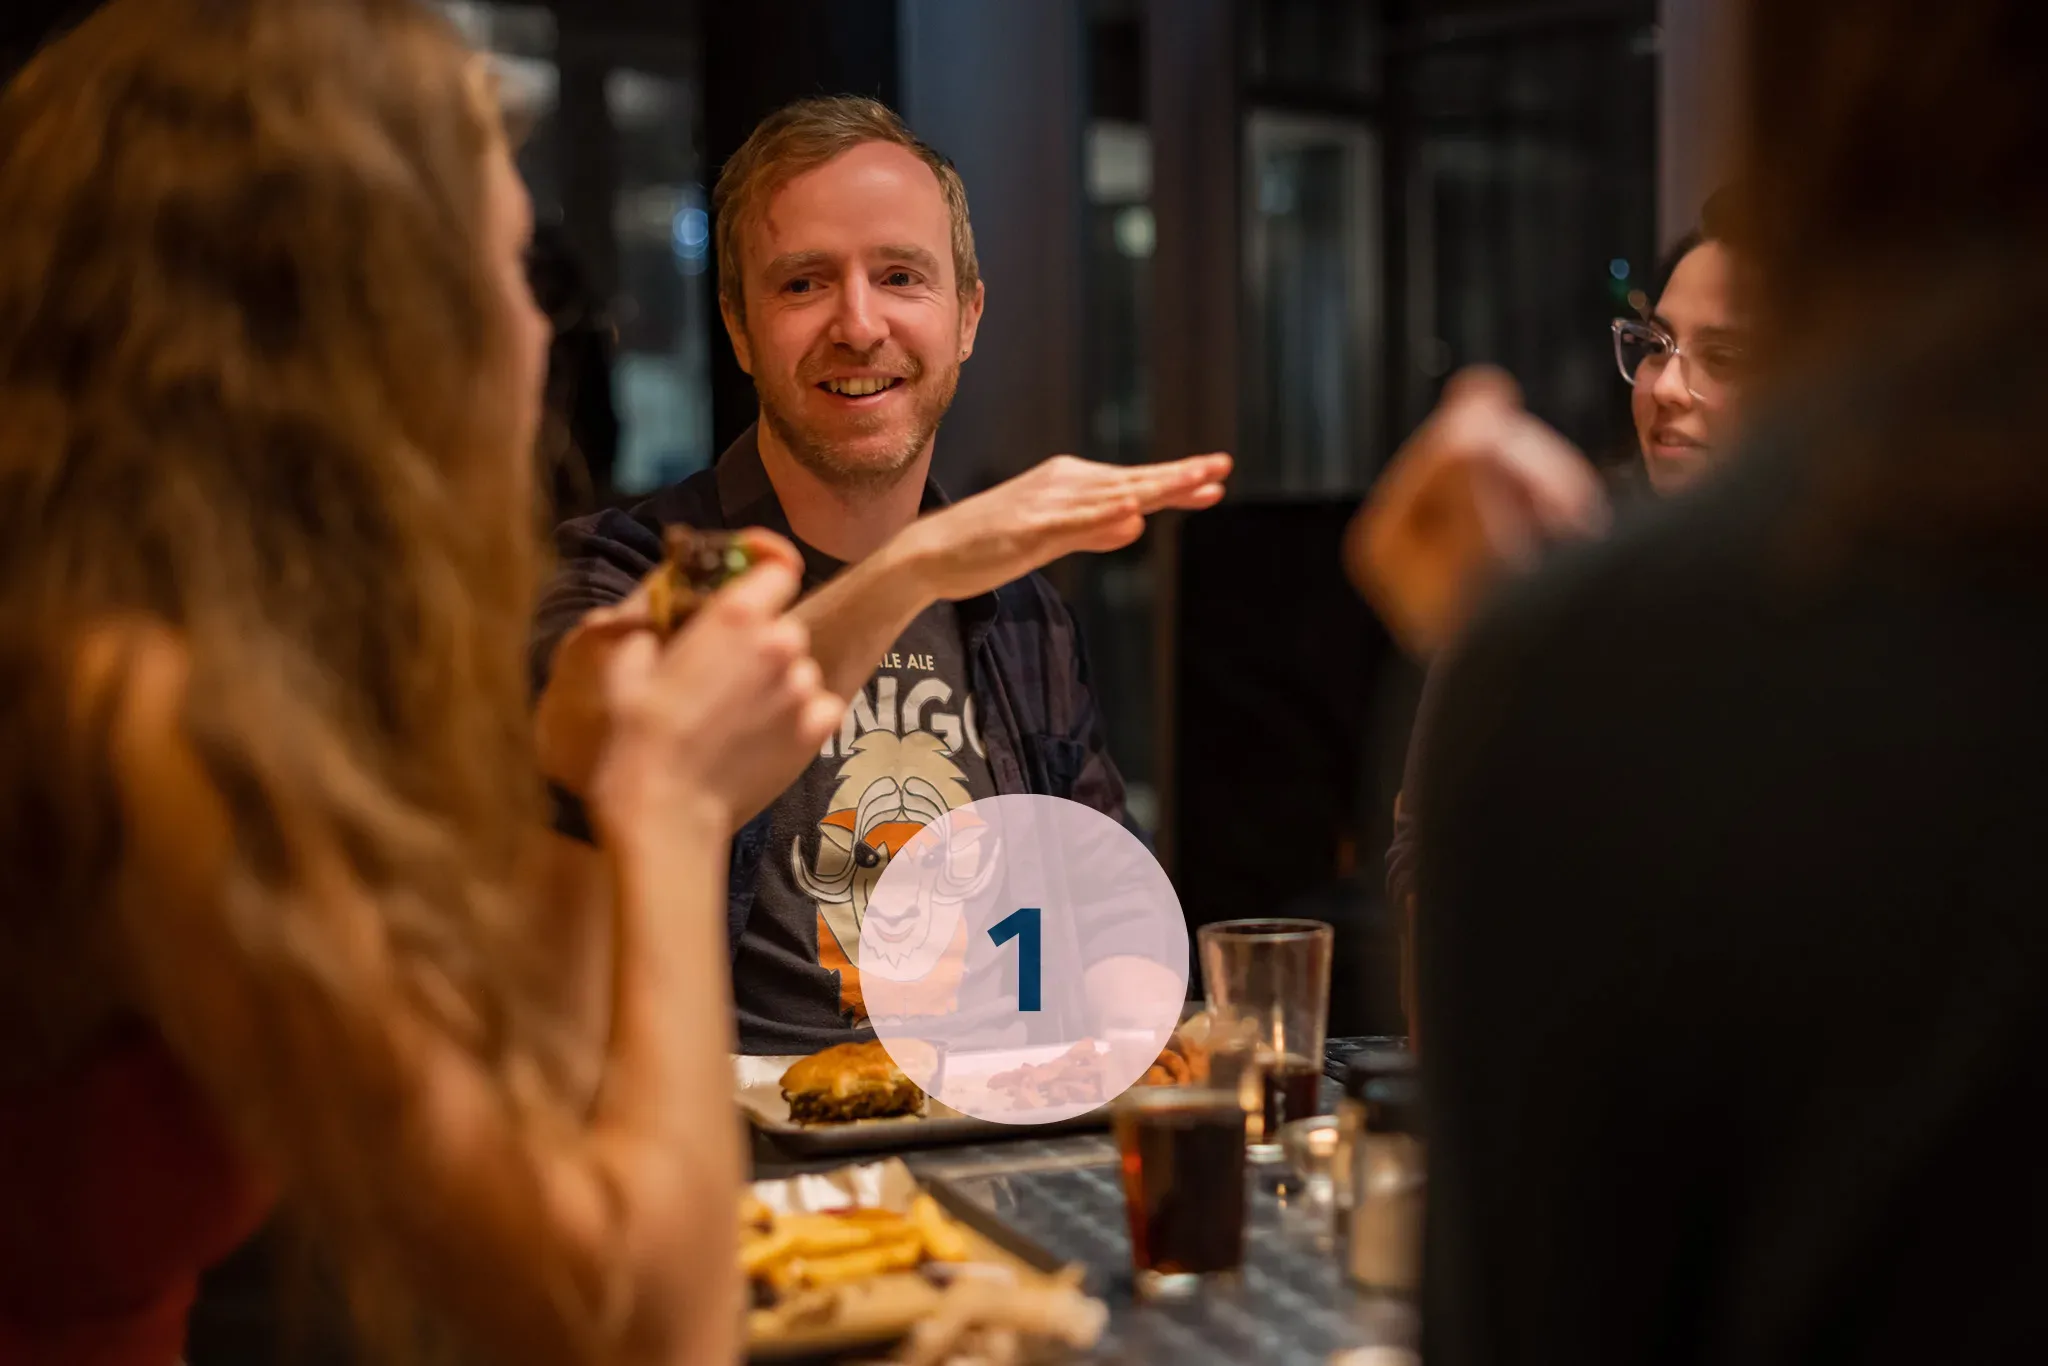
1062,1195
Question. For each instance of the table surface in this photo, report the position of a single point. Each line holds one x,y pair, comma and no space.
1291,1306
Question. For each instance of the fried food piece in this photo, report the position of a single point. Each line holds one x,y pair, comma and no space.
991,1312
827,1235
942,1238
802,1252
846,1082
923,1062
694,565
813,1309
757,1255
1182,1062
987,1315
1075,1077
899,1254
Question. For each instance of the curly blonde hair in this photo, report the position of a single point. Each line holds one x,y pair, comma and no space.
254,380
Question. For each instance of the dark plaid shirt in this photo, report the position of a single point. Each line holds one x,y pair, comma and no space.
1028,668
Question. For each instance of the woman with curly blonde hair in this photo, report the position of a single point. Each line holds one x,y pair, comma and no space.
276,923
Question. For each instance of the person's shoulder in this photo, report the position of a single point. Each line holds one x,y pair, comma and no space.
692,501
1660,603
1033,599
1031,620
599,559
1036,643
132,679
1664,555
636,529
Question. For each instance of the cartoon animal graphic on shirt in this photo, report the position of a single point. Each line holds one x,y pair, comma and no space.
890,788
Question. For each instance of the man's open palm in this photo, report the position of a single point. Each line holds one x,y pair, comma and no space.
1062,506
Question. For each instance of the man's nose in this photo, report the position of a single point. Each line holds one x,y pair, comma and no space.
858,323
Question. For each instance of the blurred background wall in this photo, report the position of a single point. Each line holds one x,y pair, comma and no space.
1271,226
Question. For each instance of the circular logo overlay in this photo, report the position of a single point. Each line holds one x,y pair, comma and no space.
1023,959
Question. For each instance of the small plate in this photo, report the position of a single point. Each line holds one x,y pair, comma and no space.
758,1089
759,1092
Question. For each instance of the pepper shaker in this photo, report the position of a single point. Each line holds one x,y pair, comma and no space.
1383,1227
1365,1067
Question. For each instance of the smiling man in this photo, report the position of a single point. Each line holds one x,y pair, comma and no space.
850,290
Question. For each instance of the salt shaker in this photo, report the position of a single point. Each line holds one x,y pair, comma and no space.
1383,1228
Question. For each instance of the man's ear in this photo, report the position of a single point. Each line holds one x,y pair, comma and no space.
970,319
736,331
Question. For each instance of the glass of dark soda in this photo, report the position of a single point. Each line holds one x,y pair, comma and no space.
1183,1157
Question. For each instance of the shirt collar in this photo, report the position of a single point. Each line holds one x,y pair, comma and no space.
746,497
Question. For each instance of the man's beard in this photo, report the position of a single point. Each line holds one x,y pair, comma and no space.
832,459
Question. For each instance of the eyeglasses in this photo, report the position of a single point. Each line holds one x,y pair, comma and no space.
1642,350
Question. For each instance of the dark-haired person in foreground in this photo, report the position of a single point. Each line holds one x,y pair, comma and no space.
1734,970
851,293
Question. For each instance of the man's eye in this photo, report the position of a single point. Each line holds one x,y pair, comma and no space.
799,286
898,279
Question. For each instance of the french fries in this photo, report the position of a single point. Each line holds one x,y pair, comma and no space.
834,1278
942,1238
758,1255
818,1273
790,1253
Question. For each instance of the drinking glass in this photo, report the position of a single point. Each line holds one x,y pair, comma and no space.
1268,989
1183,1157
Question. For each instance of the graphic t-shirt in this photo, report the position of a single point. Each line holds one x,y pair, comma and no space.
907,752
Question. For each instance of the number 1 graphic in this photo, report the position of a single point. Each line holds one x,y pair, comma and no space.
1022,926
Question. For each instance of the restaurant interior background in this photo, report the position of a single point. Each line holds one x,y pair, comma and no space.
1267,226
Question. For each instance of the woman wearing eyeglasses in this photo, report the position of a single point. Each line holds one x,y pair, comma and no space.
1685,360
1482,486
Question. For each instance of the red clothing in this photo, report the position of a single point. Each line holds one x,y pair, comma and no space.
117,1189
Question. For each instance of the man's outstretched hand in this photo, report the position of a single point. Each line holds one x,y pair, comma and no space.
1057,508
1063,506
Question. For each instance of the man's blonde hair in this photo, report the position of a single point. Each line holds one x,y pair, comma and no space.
801,137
